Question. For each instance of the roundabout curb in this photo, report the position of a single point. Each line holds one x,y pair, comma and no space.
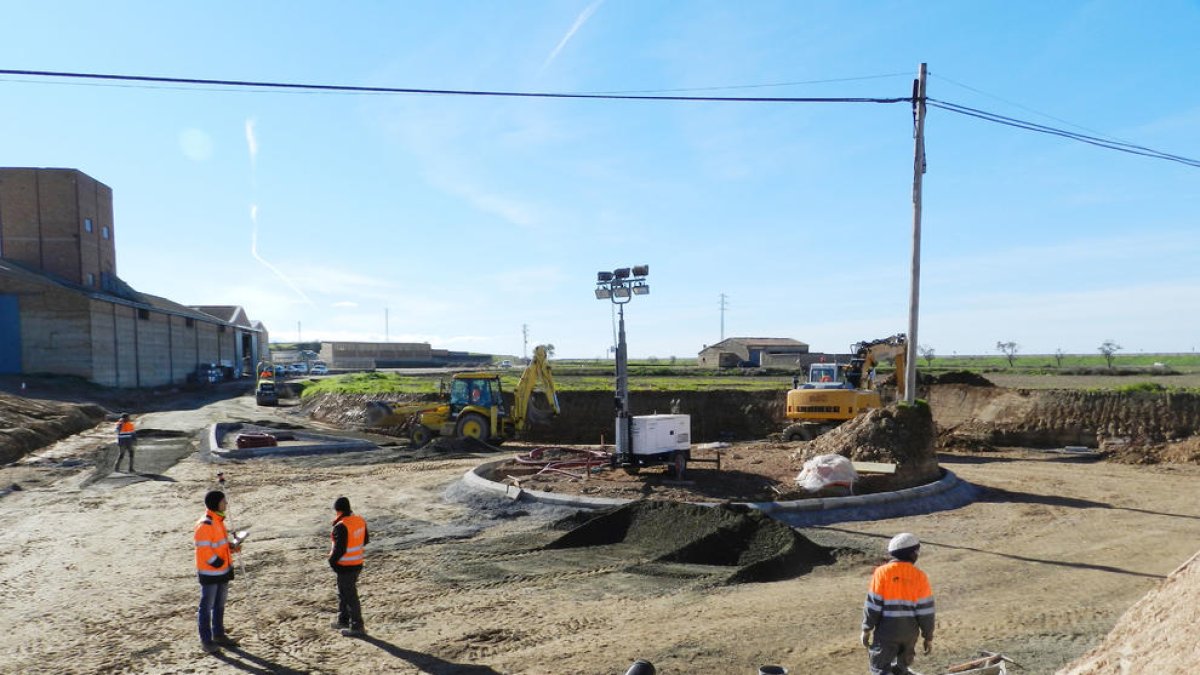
948,492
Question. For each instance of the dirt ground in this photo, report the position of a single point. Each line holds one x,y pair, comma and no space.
97,575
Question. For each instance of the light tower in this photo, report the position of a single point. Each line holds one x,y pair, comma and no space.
619,286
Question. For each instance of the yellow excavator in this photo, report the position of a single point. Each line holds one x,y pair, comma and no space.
476,408
837,392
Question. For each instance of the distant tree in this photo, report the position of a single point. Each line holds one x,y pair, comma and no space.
926,353
652,360
673,359
1109,349
1058,357
1009,350
549,350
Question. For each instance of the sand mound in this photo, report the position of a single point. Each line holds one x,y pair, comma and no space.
28,424
754,546
1156,635
899,434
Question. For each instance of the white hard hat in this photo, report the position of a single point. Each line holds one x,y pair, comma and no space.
902,541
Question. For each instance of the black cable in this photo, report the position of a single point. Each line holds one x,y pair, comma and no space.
1022,107
751,86
292,86
1119,146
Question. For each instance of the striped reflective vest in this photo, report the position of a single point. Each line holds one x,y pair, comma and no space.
212,546
125,430
356,536
899,602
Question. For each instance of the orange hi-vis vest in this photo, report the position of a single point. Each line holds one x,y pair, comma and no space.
899,601
125,430
212,546
356,535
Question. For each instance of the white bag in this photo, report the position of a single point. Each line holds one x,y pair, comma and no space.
825,471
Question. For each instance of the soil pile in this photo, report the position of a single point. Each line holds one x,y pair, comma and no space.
1156,635
754,547
903,435
28,424
961,377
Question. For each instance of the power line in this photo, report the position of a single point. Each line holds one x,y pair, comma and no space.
1119,146
295,86
1022,107
752,86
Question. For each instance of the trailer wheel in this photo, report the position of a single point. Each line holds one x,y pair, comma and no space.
473,425
420,436
679,464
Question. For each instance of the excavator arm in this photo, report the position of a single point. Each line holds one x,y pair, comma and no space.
894,348
536,373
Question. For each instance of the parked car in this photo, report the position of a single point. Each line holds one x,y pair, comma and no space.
506,363
318,368
299,368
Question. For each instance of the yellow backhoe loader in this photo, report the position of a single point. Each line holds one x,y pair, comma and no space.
836,392
476,408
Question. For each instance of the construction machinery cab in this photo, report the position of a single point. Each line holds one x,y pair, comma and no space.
467,390
827,376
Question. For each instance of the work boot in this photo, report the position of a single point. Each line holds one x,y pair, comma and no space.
225,641
208,647
354,632
338,625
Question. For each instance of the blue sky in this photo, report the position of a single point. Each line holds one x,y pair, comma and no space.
465,218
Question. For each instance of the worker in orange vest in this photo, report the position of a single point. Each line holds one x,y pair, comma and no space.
126,435
899,609
214,567
350,538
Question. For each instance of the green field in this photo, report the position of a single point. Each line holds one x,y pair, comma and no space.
1131,372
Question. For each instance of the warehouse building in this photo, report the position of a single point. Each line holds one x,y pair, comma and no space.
372,355
64,310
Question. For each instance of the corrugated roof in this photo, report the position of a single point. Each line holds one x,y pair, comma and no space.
760,342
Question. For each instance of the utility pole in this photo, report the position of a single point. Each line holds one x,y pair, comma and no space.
914,296
299,337
386,321
723,306
525,341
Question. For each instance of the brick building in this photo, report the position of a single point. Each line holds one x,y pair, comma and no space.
64,310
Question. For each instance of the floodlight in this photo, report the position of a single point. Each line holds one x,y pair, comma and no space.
621,292
641,270
621,273
603,277
641,289
603,294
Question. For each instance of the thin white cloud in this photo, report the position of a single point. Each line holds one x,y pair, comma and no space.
252,141
579,21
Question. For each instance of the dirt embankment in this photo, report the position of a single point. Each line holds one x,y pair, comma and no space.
903,435
28,424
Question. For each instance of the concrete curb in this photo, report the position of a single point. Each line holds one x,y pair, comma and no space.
946,493
210,446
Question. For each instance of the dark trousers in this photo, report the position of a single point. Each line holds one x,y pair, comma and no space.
349,610
211,615
124,444
892,657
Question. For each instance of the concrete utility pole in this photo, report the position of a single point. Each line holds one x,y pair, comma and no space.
299,339
914,296
723,306
525,341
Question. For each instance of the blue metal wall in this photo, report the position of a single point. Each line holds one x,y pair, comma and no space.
10,335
